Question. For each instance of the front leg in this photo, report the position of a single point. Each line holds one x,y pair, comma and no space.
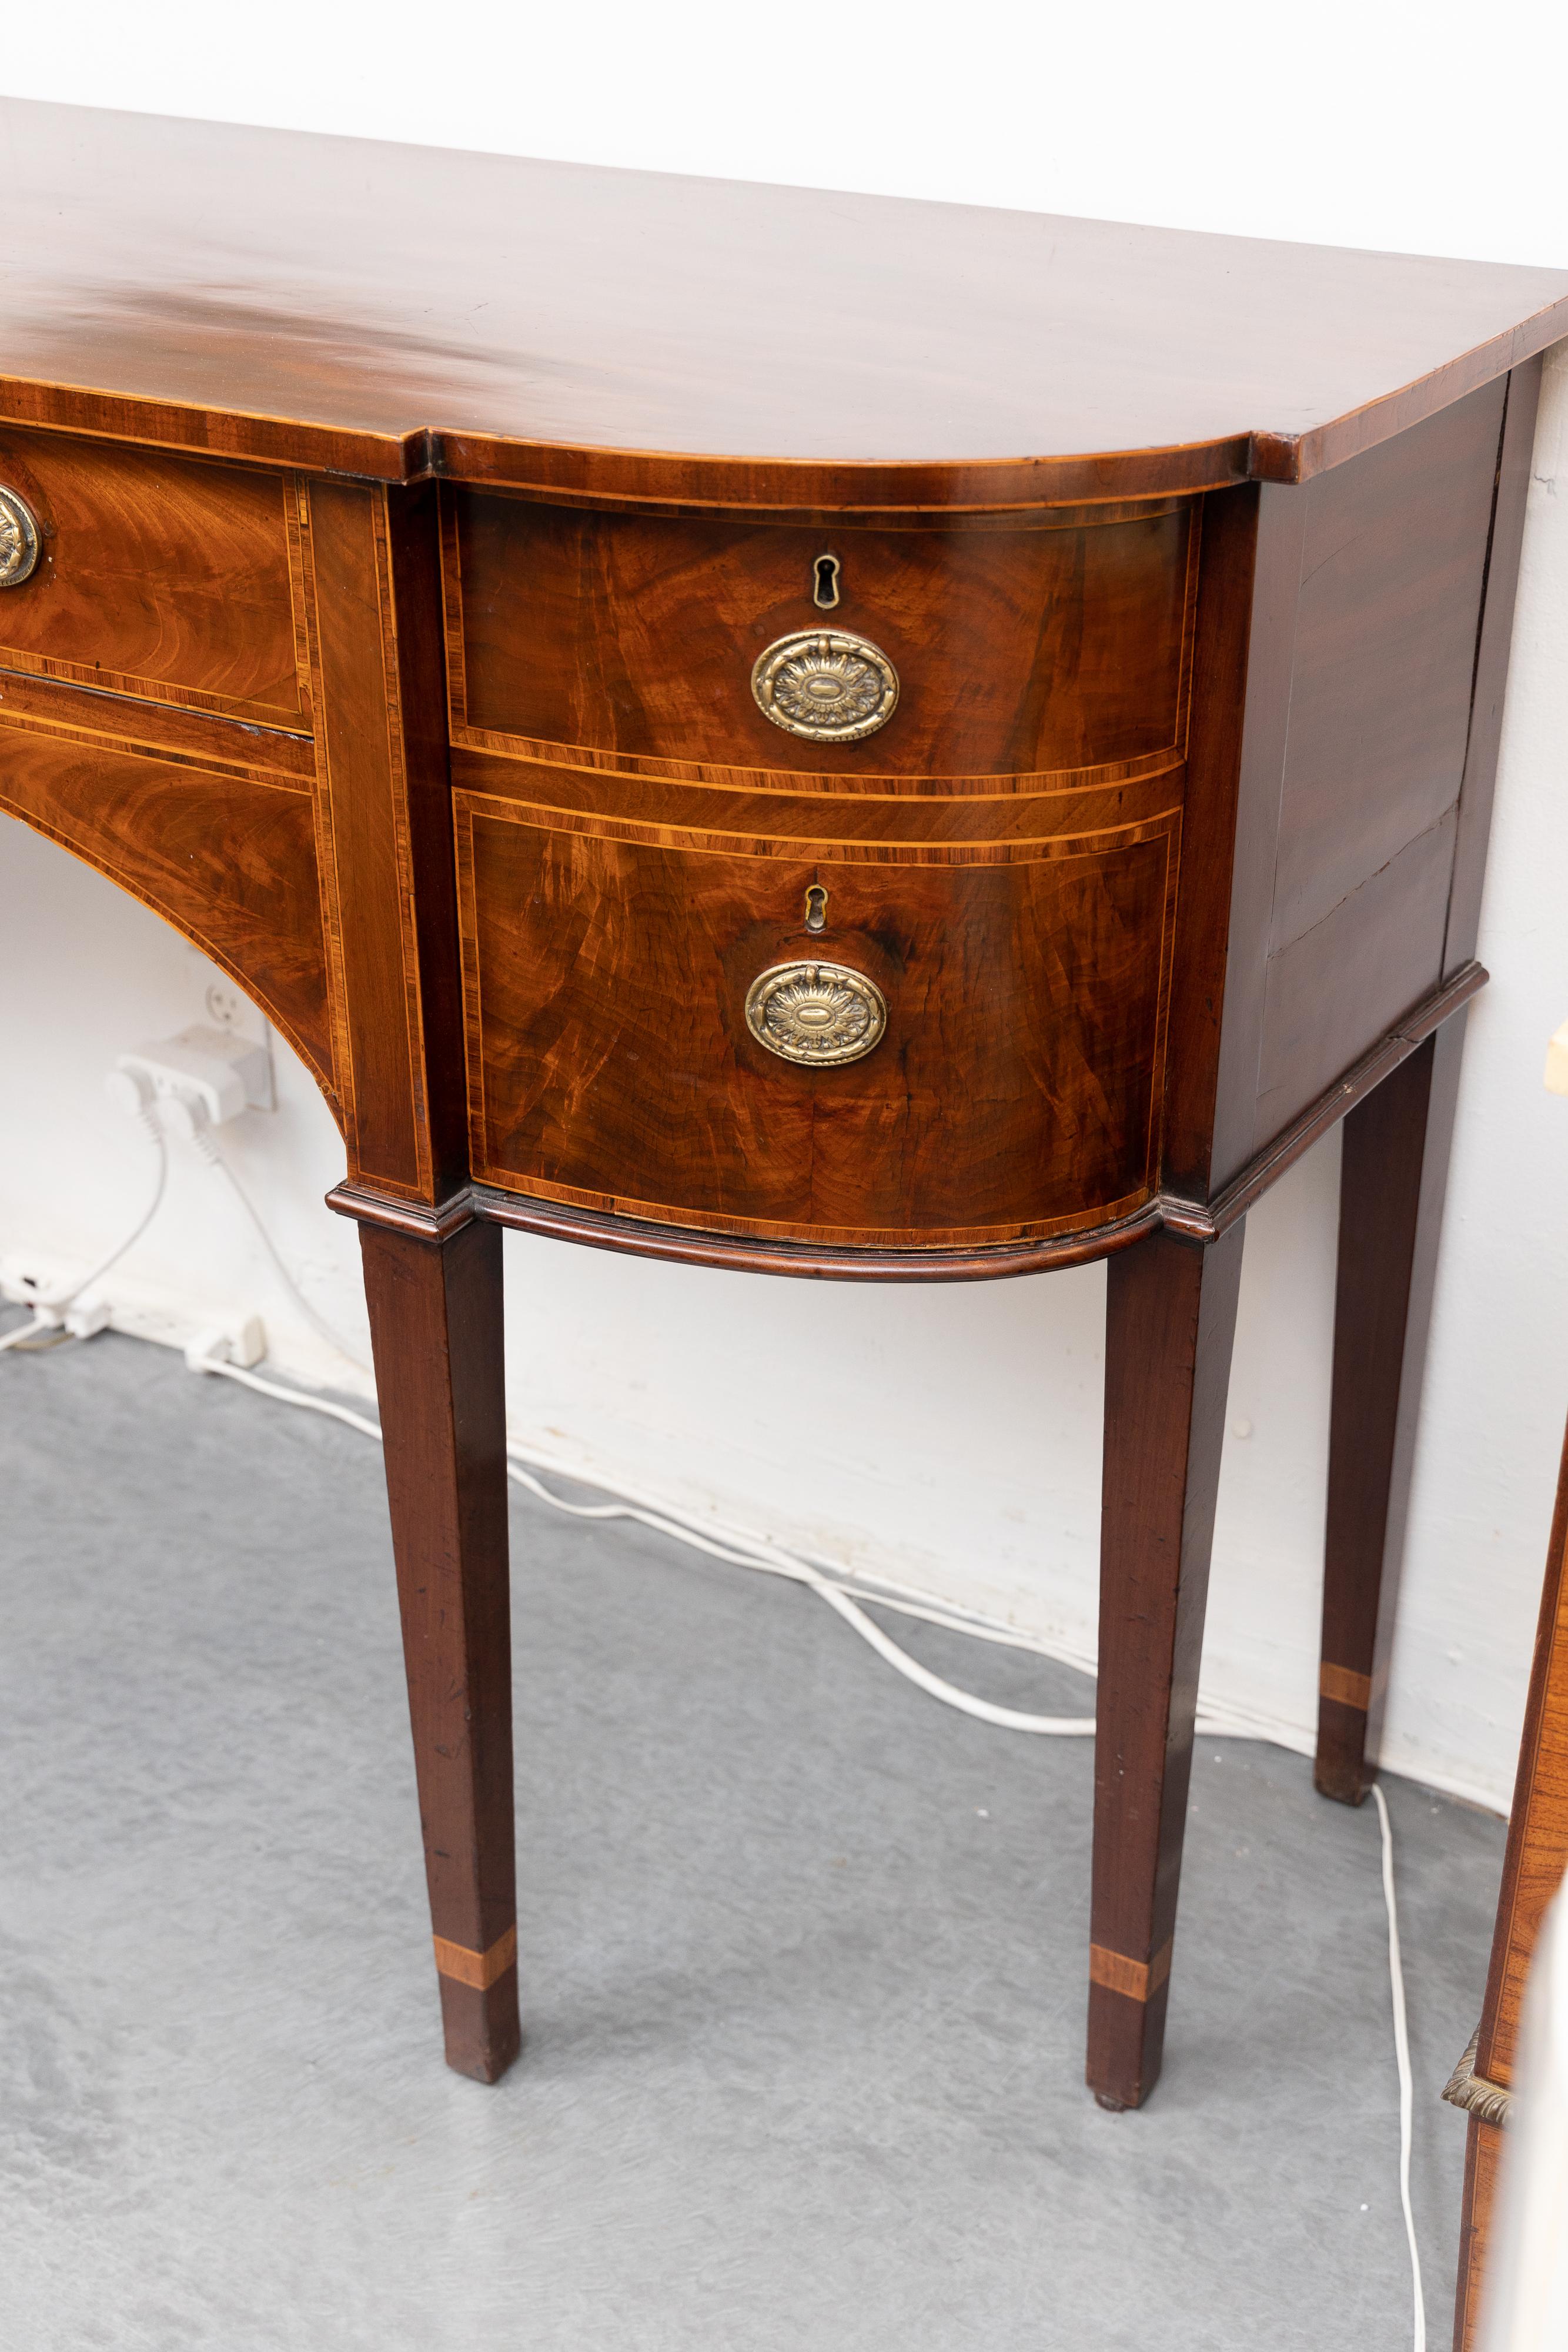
1170,1319
435,1326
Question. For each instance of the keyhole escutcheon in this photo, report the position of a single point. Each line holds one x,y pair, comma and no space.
816,908
825,582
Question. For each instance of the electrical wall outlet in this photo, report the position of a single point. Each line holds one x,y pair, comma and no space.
216,1002
217,999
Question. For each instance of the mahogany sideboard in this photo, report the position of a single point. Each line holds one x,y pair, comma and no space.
825,735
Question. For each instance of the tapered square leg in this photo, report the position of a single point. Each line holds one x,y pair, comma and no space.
1393,1172
1169,1324
435,1324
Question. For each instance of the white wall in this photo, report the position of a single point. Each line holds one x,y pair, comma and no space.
948,1437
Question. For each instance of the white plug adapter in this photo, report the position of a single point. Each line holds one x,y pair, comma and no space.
244,1344
212,1069
84,1318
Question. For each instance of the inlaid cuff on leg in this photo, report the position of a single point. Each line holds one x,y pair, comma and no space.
479,1969
1345,1687
1139,1979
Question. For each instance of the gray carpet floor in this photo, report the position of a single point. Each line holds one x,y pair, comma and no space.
802,1959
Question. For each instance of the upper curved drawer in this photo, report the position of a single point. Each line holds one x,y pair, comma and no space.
1054,644
168,577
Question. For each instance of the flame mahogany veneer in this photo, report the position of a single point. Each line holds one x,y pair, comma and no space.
393,636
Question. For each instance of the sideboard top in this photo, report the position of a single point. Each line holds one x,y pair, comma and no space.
396,310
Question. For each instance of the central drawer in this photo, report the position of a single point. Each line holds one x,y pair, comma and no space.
1052,645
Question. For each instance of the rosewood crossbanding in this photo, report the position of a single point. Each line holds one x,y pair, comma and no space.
559,705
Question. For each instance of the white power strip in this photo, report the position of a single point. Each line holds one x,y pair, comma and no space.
140,1313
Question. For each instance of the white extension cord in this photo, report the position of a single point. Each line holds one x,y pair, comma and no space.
739,1548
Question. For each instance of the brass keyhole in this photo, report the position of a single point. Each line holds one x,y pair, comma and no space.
825,582
816,908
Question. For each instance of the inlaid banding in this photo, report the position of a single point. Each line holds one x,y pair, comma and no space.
1139,1979
479,1969
1345,1687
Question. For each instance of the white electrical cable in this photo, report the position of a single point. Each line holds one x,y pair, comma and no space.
841,1593
44,1339
154,1134
842,1597
287,1396
212,1151
838,1593
1402,2060
25,1331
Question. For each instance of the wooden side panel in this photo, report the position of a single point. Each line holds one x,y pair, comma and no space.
1491,665
373,573
1393,564
1017,1087
1017,650
228,860
158,575
1392,569
1343,984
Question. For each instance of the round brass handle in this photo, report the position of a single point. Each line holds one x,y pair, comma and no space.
822,683
18,539
822,1014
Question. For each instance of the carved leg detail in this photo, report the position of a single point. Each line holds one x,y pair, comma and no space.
1170,1320
435,1322
1391,1199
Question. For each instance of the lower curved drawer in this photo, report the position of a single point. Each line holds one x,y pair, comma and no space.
1014,1091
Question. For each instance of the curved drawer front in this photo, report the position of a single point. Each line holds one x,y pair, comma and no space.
1008,649
656,1017
170,578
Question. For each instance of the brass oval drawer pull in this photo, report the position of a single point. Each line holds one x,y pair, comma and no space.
819,1013
821,683
18,539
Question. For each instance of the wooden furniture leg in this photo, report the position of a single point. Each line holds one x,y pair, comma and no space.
435,1324
1169,1322
1391,1201
1532,1871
